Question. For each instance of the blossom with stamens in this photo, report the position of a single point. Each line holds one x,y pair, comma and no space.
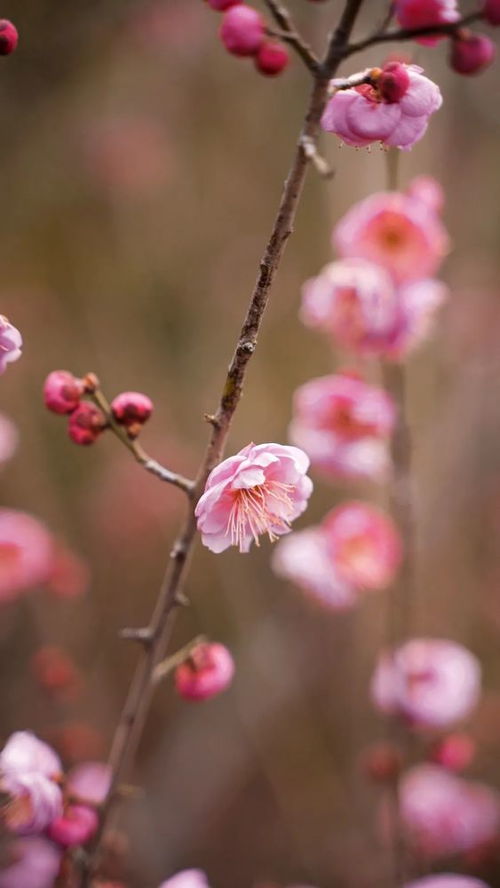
395,230
344,425
187,879
423,13
428,682
260,490
443,814
364,545
393,107
11,343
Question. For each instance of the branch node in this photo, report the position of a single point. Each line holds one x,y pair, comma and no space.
211,418
143,636
319,163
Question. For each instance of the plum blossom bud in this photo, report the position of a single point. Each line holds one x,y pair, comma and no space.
471,53
415,14
447,880
444,815
344,426
132,410
26,550
62,391
89,782
55,672
429,682
222,5
86,424
242,30
491,11
454,752
207,671
11,343
8,37
261,489
33,801
364,544
75,826
186,879
272,58
35,864
394,82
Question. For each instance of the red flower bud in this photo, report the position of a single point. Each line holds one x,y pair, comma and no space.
207,671
471,53
272,58
86,424
242,30
8,37
62,391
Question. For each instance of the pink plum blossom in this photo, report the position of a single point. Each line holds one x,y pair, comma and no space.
396,231
11,343
186,879
344,424
444,814
421,13
364,544
26,550
428,190
75,826
33,801
8,438
447,880
261,489
304,558
429,682
397,116
207,671
25,753
357,304
35,864
89,782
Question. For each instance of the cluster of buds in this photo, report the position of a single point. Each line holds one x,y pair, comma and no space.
64,394
470,53
243,33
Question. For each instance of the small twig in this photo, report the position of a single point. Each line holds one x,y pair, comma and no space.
320,164
383,36
169,663
151,465
142,635
290,34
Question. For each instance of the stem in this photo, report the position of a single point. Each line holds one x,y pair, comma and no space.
133,717
383,36
290,34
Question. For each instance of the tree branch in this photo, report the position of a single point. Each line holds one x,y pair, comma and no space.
383,36
290,34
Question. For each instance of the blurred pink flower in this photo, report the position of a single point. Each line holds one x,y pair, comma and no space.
364,545
394,108
396,231
187,879
357,303
69,574
33,801
428,190
206,672
421,13
11,343
24,753
89,782
75,826
261,489
304,558
429,682
35,864
344,424
447,880
8,438
445,815
25,553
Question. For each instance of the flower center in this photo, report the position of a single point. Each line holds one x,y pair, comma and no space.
255,511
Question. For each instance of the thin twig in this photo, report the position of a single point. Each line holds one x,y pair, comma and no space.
291,35
133,717
383,36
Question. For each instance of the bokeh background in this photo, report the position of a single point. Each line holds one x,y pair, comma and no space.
140,168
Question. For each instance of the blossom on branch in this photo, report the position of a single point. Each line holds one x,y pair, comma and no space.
423,13
260,490
11,343
393,107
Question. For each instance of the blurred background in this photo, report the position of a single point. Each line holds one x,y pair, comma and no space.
140,169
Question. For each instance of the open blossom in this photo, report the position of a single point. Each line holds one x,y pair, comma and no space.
304,558
344,425
261,489
25,753
393,108
29,770
187,879
35,864
421,13
364,544
444,814
358,305
447,880
395,230
25,553
429,682
11,343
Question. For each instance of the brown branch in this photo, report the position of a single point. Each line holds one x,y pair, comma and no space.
133,717
384,36
290,34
